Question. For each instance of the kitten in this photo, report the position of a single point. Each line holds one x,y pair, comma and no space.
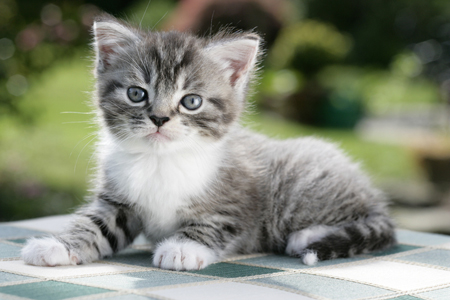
175,164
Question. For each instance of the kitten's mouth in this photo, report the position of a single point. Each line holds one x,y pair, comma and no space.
158,137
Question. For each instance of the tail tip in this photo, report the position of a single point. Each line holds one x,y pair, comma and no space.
310,258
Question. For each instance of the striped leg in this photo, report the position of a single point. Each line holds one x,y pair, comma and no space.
101,228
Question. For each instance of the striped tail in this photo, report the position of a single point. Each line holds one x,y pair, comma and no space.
320,242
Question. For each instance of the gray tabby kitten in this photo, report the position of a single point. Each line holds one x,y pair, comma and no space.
175,164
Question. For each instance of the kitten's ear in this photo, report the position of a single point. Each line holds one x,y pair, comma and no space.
111,39
236,57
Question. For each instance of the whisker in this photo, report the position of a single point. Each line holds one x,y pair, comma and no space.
86,137
160,20
76,122
89,161
78,112
145,11
76,162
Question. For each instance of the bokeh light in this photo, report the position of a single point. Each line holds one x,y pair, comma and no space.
17,85
7,48
51,15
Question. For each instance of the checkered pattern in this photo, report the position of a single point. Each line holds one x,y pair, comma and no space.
418,268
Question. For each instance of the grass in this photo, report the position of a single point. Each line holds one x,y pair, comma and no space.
45,164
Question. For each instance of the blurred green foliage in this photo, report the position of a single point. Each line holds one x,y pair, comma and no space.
383,28
309,46
44,167
350,58
379,90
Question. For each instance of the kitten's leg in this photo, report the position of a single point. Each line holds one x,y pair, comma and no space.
101,228
320,242
195,246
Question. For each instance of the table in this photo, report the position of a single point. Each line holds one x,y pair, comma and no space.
418,268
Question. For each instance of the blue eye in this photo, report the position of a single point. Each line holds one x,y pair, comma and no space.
191,102
136,94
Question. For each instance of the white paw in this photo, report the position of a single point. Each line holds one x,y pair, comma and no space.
48,252
183,255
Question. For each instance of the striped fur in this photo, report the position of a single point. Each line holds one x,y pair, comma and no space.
201,187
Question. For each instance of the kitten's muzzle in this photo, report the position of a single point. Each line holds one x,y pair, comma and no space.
159,121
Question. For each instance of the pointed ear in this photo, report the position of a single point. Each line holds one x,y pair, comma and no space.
236,57
111,39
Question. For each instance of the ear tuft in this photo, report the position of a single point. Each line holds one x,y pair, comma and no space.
237,57
111,37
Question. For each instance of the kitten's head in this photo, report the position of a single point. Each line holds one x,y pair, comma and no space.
167,90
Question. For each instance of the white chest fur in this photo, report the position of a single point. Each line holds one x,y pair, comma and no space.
162,184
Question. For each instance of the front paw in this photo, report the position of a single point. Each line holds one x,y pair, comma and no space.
48,252
183,255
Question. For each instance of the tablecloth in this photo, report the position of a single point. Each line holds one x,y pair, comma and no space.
418,268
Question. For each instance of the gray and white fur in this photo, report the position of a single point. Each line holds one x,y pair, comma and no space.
175,164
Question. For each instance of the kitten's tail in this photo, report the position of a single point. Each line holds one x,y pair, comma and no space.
317,243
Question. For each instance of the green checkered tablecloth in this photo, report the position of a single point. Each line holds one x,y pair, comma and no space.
418,268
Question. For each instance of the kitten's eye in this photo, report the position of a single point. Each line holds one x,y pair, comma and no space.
191,102
137,94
